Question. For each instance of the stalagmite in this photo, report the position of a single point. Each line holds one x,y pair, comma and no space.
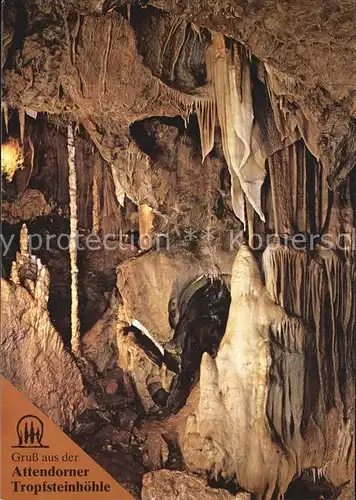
146,228
24,243
72,178
260,411
36,361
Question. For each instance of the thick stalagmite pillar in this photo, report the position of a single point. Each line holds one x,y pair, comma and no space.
75,329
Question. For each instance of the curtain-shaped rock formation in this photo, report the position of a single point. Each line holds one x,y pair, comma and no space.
229,71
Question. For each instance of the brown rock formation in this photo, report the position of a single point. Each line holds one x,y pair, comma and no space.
198,128
33,355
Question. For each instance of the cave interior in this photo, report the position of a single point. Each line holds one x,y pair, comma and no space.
178,279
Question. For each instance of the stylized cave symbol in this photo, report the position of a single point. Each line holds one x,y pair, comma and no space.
30,432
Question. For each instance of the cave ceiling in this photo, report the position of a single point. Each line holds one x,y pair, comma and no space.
71,59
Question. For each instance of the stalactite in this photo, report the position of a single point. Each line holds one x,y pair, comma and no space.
206,113
294,207
184,103
111,215
176,37
41,293
72,178
5,110
324,195
244,147
302,219
262,379
235,114
31,113
319,288
104,64
272,375
22,123
281,193
96,196
31,155
290,119
146,228
119,190
285,123
134,361
12,158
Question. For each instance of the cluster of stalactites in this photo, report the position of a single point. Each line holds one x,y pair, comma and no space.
320,289
13,150
299,193
246,141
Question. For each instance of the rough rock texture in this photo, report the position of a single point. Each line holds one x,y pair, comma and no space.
312,65
34,359
111,344
30,205
172,485
308,41
147,375
150,283
107,93
98,344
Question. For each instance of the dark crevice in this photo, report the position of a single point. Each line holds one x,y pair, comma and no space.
21,22
160,137
176,52
148,133
200,329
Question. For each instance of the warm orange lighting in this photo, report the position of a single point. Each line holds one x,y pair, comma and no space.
11,158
